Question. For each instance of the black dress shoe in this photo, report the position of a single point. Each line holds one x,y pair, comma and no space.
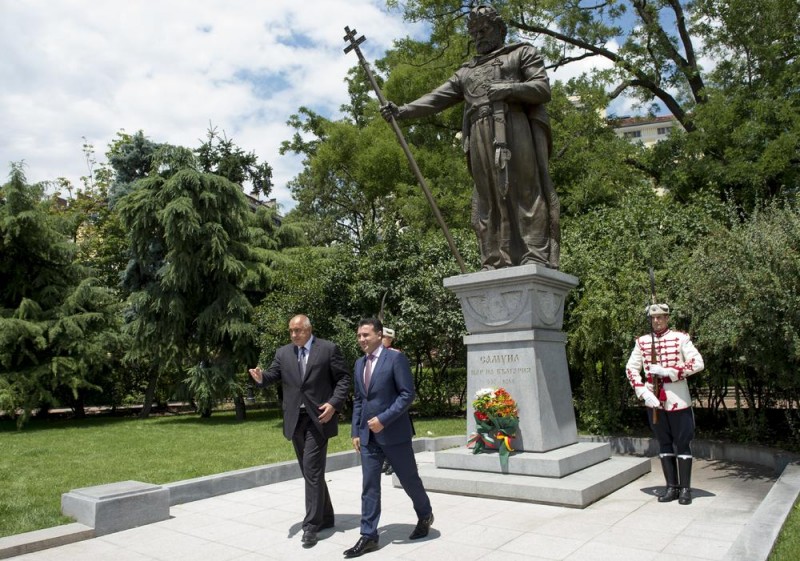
423,527
309,538
363,545
685,496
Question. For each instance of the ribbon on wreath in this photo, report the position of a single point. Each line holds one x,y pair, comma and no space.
490,437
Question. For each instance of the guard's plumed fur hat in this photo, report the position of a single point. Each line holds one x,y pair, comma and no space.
652,310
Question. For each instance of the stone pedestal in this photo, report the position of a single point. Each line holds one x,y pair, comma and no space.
514,317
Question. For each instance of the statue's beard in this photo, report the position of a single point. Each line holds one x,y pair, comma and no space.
485,47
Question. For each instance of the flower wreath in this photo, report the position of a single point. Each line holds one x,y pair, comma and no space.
497,420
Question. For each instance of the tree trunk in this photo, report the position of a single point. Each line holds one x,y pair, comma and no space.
241,410
149,395
78,406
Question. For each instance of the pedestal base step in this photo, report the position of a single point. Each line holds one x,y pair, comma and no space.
555,463
579,489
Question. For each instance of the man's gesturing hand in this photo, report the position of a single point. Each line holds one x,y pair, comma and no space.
255,374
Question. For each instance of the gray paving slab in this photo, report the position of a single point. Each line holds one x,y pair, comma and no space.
264,523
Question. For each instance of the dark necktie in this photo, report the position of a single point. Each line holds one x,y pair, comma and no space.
368,371
301,361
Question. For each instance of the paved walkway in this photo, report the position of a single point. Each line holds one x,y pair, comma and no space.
263,524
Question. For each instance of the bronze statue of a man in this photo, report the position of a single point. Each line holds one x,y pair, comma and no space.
506,136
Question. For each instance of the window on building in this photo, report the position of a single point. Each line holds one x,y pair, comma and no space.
633,134
663,130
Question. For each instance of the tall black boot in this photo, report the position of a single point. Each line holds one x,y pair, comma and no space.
685,474
670,468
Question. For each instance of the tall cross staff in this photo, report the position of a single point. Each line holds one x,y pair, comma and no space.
653,355
353,43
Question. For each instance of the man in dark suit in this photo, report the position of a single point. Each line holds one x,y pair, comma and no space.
383,392
315,384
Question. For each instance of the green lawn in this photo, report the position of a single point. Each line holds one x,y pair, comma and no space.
49,458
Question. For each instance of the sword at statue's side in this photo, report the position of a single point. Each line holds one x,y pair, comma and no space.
353,43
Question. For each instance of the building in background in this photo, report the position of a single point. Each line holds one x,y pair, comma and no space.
647,130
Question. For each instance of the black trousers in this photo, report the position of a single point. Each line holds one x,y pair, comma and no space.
674,431
311,448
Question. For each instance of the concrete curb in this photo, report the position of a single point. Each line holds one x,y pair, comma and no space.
208,486
19,544
705,450
756,541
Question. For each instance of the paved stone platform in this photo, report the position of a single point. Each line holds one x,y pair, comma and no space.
728,516
577,489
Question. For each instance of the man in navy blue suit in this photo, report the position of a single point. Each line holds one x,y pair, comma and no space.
383,391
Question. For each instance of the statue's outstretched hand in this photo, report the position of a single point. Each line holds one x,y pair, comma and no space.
389,110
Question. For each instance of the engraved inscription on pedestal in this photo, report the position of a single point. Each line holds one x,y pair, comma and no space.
501,367
533,371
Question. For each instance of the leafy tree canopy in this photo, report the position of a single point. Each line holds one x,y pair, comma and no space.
200,256
726,69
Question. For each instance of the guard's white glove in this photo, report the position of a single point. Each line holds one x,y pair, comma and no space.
657,370
650,399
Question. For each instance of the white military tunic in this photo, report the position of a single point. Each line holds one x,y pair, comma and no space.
675,352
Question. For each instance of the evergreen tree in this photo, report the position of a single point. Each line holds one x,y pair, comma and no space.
197,249
57,324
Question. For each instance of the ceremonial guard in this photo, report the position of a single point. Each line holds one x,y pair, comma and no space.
668,358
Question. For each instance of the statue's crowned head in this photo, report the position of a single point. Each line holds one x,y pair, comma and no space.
483,15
